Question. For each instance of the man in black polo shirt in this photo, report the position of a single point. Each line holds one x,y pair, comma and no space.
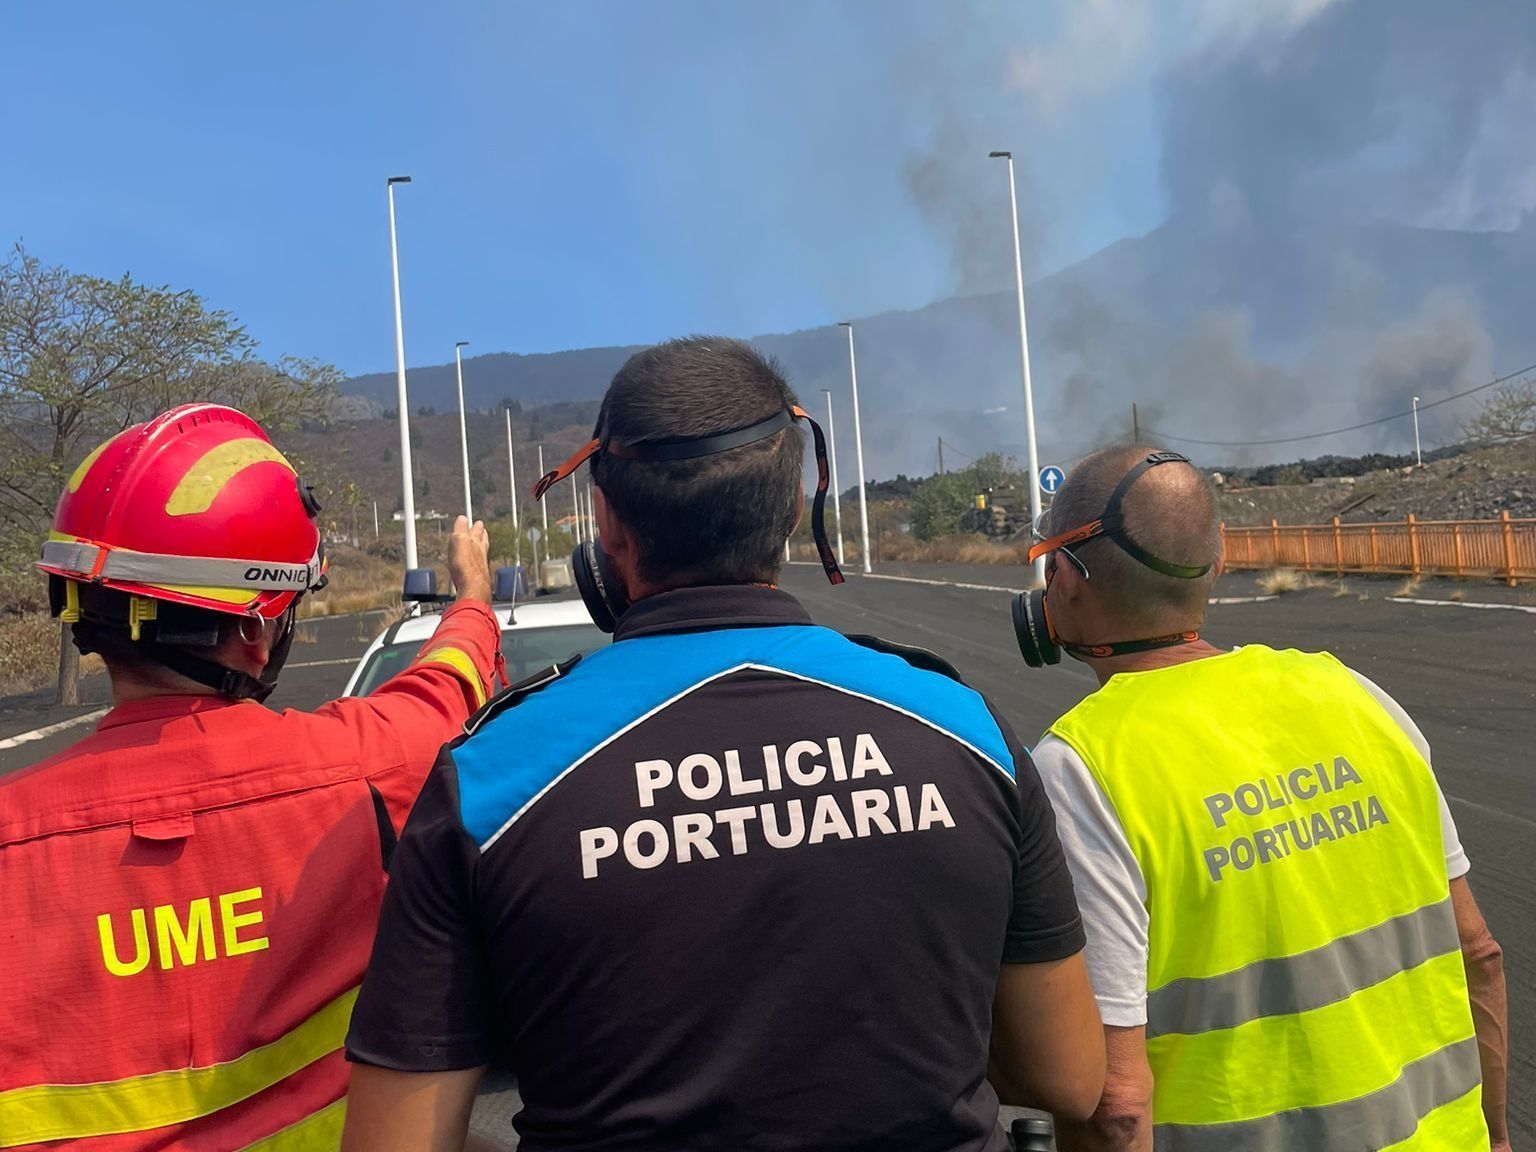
735,881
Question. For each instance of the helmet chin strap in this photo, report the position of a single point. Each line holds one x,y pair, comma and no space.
231,682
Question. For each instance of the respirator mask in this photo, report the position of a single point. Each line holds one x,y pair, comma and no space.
1039,642
601,590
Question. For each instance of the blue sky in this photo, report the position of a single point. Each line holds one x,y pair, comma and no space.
586,171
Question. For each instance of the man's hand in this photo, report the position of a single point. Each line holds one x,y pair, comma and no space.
469,550
1047,1042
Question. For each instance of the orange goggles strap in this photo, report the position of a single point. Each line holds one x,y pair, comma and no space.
1067,539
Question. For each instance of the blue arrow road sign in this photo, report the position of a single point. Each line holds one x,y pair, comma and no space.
1051,478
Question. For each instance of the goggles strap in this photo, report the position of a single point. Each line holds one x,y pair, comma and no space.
1128,647
1112,525
819,502
691,449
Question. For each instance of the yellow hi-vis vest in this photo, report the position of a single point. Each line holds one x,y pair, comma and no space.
1304,975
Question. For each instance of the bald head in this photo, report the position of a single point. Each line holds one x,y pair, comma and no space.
1170,511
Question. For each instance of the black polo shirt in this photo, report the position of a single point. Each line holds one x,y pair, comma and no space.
734,881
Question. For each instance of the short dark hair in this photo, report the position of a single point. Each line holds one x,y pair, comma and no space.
1170,511
721,518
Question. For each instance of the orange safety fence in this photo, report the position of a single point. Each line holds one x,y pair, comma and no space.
1504,548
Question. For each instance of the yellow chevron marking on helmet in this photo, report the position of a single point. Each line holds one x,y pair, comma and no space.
77,477
217,467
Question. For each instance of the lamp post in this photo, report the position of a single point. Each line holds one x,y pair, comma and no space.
858,451
1418,452
543,505
458,368
837,503
407,483
1029,395
517,536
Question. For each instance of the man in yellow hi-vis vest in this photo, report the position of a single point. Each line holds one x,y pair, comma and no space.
1282,940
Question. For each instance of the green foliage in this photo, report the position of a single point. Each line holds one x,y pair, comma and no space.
939,503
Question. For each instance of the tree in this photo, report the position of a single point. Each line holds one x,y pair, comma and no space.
1508,414
82,358
940,502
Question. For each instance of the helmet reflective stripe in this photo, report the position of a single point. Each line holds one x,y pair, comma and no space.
82,560
197,490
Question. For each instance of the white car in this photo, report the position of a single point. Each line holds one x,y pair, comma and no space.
534,635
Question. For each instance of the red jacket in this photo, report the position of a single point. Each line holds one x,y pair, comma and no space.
187,902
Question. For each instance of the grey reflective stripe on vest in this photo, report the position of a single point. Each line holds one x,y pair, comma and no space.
197,571
1289,984
1376,1120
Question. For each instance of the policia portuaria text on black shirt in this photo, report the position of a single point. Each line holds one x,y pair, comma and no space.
694,885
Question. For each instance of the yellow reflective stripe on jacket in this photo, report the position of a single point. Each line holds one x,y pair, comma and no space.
43,1112
1305,980
1429,1106
318,1132
459,661
1351,1048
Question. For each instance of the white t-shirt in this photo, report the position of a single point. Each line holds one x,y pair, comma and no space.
1111,892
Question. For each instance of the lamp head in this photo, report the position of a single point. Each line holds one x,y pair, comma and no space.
999,155
398,180
461,343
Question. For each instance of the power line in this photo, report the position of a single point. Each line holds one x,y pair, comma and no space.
1526,371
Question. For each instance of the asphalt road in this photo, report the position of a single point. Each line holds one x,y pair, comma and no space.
1467,676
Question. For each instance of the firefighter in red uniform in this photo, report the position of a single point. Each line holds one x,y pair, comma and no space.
188,896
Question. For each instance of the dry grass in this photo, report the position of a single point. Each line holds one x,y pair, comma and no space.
358,582
29,653
1456,594
1281,581
1409,587
1341,590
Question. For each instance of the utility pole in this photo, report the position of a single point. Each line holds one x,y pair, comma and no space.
941,455
1418,451
1135,425
375,519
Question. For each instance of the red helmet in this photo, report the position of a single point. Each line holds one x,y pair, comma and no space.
195,507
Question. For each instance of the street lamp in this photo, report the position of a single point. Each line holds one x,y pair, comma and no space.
458,367
408,495
858,450
543,507
837,504
1029,395
1417,451
517,536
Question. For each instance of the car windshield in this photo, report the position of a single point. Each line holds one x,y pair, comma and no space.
527,651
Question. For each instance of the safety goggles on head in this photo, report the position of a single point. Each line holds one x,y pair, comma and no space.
691,448
1111,524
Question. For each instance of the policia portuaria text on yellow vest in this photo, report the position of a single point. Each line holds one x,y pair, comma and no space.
1305,981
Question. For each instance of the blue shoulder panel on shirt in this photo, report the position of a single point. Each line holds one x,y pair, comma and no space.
515,756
